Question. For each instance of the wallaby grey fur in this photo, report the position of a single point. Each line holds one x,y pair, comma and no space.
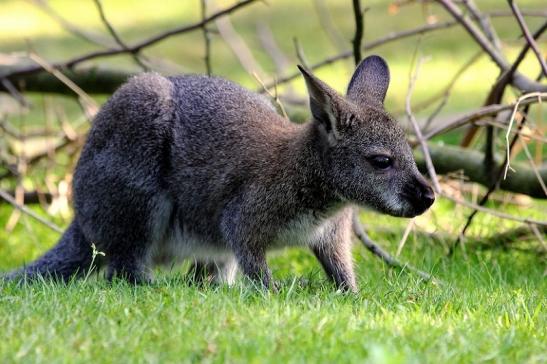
198,167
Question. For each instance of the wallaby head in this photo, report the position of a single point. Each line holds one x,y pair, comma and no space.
364,152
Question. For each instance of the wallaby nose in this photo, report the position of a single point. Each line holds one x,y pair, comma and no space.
420,194
428,196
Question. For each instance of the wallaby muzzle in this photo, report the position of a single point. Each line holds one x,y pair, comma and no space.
419,194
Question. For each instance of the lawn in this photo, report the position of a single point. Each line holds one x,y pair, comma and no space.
490,306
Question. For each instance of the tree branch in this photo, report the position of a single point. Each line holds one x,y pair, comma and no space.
136,47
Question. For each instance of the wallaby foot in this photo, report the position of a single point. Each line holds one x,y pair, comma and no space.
129,269
254,266
217,272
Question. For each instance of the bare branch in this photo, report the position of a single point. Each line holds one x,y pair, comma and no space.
496,93
391,37
239,47
268,42
90,104
328,26
534,95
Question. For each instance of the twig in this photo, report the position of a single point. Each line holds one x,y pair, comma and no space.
268,42
445,93
501,215
417,130
14,92
206,38
328,26
537,233
89,102
238,46
494,182
527,35
537,95
385,256
475,115
403,240
274,96
300,53
115,35
533,165
500,125
33,197
4,195
358,37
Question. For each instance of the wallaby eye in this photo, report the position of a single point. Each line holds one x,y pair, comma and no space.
381,161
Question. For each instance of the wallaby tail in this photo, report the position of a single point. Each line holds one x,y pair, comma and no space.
71,256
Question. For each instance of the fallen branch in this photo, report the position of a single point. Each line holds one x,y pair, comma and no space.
385,256
8,198
447,159
92,80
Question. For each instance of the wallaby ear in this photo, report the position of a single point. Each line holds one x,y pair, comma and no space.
369,82
322,102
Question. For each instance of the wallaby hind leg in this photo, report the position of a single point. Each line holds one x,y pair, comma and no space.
129,268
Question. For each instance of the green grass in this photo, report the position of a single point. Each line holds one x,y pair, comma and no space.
491,308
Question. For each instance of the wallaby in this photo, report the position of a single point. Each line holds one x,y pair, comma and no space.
198,167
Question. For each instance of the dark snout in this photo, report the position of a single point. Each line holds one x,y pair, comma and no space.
419,194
